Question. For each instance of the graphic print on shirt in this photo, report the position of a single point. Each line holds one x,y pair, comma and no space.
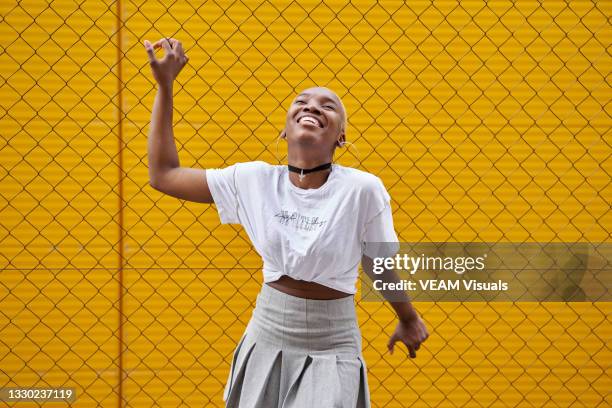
299,221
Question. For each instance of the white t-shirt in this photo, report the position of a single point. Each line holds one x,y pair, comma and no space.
316,235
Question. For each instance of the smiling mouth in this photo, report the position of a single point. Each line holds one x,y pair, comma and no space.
310,120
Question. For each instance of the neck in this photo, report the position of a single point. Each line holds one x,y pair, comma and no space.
304,160
307,162
311,180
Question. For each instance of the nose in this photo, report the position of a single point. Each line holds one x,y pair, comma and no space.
312,107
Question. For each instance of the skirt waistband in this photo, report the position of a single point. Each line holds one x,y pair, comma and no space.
339,307
312,325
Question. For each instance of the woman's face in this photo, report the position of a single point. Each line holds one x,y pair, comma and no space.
316,118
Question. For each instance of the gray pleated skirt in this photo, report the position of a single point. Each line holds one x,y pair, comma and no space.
299,353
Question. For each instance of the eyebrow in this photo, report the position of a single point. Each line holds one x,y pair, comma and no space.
327,98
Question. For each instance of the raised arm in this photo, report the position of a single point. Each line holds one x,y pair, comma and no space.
165,173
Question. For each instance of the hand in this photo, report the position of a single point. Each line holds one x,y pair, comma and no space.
412,333
168,68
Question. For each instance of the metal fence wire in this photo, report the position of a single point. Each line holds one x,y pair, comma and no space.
487,122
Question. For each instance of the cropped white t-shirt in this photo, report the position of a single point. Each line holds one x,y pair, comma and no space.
316,235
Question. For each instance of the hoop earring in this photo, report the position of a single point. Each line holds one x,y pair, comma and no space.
356,155
276,155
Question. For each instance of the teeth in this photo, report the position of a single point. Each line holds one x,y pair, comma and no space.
309,119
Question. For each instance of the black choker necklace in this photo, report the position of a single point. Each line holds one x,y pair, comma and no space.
303,172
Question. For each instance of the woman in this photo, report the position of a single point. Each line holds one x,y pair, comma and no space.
311,222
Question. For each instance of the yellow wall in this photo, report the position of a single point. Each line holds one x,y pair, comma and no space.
486,123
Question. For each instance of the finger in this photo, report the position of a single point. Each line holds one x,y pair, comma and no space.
150,51
158,44
165,43
180,53
417,346
166,46
425,335
410,346
391,344
179,47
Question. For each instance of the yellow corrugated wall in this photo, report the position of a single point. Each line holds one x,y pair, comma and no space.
486,121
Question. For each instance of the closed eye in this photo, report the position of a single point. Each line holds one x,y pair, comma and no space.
327,107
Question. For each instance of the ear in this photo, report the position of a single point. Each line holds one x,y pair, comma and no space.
341,140
283,135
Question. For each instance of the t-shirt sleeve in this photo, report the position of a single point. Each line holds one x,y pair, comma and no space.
222,185
379,238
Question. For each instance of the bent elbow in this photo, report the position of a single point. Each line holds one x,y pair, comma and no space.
154,184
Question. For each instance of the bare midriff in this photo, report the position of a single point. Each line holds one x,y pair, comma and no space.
307,290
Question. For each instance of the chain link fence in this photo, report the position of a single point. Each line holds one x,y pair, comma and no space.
487,122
